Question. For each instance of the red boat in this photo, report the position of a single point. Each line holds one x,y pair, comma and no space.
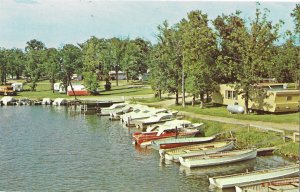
142,137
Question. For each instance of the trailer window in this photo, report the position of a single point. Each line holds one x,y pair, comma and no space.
289,98
230,94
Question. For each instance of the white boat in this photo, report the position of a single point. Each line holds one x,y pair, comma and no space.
196,149
155,119
173,124
128,119
8,100
218,158
227,181
116,114
286,184
59,101
179,142
105,111
46,101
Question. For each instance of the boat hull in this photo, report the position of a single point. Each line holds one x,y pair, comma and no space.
287,184
217,159
172,143
202,149
139,139
256,176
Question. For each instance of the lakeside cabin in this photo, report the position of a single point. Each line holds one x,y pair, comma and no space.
272,97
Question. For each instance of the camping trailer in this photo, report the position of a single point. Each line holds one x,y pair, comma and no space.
17,86
272,97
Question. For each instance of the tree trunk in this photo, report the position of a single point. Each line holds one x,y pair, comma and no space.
159,94
117,76
246,102
193,100
176,99
127,76
69,78
52,85
207,97
201,100
183,89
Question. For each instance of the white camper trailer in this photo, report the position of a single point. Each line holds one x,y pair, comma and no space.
17,86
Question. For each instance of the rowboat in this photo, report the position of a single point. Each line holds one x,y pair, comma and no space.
196,149
287,184
179,123
179,142
254,176
146,137
218,158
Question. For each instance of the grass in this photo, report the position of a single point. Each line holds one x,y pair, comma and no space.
221,111
125,88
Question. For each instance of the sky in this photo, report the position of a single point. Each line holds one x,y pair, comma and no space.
59,22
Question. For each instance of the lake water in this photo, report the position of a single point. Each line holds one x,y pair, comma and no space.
55,149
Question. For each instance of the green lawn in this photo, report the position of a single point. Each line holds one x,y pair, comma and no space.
221,111
125,88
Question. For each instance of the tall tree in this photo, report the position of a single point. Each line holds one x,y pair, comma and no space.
169,55
199,54
34,53
71,62
252,56
52,65
3,65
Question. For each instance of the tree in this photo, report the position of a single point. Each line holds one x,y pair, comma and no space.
168,58
3,65
199,54
252,57
52,65
71,62
34,53
136,57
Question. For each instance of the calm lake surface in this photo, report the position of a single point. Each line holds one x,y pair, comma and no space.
55,149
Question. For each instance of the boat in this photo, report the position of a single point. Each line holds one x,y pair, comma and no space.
286,184
196,149
8,100
46,101
116,114
164,132
155,119
105,111
218,158
128,119
173,124
227,181
59,102
179,142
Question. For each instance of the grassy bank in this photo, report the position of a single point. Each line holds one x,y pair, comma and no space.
251,137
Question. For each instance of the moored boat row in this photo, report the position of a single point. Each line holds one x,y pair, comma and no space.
191,151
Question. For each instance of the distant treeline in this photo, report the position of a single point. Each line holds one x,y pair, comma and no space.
198,52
